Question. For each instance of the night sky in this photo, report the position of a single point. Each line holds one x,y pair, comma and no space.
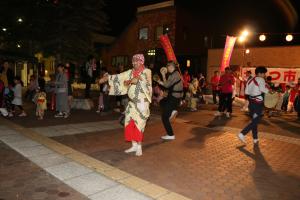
220,17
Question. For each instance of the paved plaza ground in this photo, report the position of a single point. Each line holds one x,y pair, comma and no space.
206,161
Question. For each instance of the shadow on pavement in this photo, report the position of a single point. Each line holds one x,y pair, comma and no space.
200,135
284,125
218,121
269,184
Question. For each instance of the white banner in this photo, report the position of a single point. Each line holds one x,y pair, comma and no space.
279,75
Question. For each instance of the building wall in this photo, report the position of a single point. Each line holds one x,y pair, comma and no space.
128,43
283,57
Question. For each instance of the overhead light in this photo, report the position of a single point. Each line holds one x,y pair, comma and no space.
262,37
247,51
289,38
245,33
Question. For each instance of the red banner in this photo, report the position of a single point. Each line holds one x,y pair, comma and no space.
230,41
166,44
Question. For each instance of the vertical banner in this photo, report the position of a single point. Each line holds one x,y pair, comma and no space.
230,41
166,44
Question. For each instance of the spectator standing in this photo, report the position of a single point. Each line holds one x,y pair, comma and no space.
214,81
17,101
227,81
61,91
89,66
7,75
186,82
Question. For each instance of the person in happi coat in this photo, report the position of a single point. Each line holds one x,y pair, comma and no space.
137,84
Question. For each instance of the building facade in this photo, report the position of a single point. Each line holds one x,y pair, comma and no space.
142,36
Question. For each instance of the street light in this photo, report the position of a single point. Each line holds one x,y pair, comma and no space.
18,46
243,36
247,51
20,20
262,37
289,38
4,29
245,33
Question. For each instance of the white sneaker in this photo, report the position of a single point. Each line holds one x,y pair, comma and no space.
59,115
241,138
218,114
228,115
173,115
168,137
139,151
23,114
134,148
255,141
66,115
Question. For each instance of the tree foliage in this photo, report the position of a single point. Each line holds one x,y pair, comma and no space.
62,28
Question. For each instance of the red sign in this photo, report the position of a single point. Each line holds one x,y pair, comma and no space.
230,41
166,44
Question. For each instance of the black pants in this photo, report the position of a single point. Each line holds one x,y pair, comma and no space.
168,104
225,102
185,90
255,110
215,93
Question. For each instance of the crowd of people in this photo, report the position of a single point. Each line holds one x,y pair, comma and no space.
135,89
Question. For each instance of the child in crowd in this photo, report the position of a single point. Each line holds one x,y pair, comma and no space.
193,94
7,100
41,103
17,101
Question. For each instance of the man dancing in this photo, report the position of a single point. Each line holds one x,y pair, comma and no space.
255,87
137,84
169,104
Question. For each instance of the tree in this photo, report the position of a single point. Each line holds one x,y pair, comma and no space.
61,28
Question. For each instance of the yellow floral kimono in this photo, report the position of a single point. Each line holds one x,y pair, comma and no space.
140,95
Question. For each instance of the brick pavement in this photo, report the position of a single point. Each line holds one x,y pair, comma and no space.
205,163
202,163
92,178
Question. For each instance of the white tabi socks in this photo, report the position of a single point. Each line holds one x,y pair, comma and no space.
137,148
133,148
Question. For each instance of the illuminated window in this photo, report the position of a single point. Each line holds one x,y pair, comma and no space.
143,34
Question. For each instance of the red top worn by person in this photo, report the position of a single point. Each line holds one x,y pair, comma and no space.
215,81
226,82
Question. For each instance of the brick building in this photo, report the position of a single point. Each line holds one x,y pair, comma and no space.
142,36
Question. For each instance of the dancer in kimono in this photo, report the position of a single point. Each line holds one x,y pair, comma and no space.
137,84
